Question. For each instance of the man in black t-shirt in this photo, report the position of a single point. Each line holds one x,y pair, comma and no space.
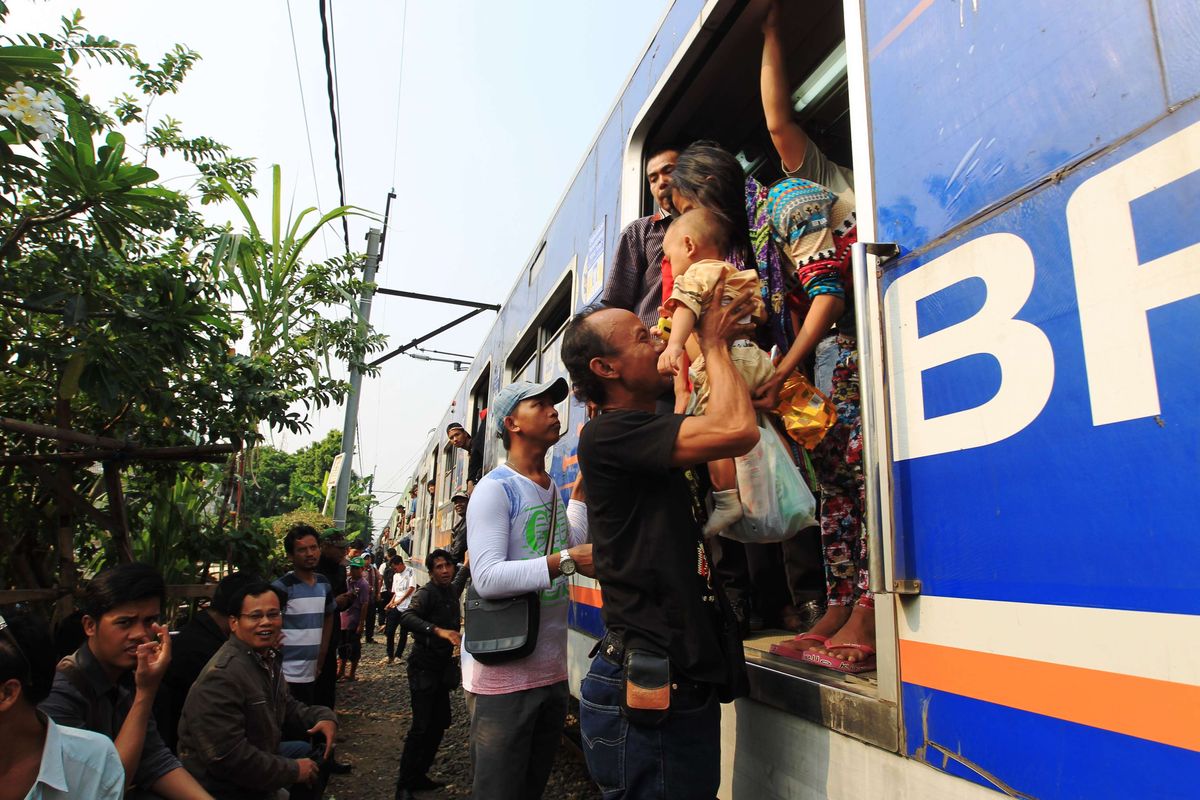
645,510
459,437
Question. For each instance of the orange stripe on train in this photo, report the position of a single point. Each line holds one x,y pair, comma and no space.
1159,711
586,595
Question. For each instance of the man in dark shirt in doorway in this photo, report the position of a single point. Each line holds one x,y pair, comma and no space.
635,277
645,513
458,531
459,437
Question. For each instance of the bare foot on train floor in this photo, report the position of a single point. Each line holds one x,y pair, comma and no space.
833,620
859,629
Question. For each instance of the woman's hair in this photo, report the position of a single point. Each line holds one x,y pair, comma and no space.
26,654
711,178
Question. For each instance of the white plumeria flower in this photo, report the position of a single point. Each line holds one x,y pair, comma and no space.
51,101
33,108
19,89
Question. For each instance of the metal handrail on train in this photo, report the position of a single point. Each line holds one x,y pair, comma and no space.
873,461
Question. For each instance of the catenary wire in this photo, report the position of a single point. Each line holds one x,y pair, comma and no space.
333,118
307,131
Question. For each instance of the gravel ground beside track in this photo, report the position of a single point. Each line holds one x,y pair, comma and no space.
373,714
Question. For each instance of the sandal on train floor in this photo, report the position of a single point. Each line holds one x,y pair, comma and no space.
830,661
793,648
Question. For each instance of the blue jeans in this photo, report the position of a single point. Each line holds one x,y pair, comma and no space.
295,749
826,356
680,760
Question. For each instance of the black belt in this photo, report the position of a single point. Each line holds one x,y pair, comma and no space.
611,648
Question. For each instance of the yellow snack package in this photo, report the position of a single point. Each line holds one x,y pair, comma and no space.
806,412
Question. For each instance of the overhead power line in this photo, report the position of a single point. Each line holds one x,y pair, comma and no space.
304,109
326,36
399,91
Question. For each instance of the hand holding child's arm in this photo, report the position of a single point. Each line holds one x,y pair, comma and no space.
683,322
669,361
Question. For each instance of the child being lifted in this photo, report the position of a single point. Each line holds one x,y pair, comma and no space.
694,245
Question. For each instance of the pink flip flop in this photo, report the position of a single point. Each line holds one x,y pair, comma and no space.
840,664
793,648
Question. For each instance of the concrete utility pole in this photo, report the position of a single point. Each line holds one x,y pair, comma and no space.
364,316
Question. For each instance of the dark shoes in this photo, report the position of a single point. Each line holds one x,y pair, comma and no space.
801,618
421,784
747,618
340,767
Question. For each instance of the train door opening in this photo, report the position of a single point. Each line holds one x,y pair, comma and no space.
480,398
713,92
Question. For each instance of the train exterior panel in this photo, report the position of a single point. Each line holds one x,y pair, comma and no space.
1034,449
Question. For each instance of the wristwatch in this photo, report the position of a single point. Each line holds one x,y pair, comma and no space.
566,564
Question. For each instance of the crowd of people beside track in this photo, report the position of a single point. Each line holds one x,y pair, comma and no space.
728,290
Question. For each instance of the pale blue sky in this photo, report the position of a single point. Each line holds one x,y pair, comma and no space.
499,102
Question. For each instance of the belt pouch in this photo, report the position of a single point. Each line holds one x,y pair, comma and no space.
646,693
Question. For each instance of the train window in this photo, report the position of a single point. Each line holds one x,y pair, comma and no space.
449,465
530,359
712,92
480,397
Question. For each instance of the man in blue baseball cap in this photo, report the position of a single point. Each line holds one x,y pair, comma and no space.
521,539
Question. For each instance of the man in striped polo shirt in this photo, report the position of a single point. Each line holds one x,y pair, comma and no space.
308,616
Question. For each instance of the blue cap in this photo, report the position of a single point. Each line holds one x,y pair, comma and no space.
508,397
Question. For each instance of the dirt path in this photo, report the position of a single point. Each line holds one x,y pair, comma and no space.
374,714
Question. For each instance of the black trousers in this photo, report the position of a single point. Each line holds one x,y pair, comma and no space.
304,692
370,622
393,622
430,693
382,608
325,686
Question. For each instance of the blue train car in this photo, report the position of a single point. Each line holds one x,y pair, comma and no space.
1030,379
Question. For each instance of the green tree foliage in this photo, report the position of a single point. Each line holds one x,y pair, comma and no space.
284,483
123,313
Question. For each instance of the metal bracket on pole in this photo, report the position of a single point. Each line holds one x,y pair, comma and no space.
432,298
436,298
430,335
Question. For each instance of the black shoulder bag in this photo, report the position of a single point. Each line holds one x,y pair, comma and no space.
499,631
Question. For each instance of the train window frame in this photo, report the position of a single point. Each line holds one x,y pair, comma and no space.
449,463
481,388
842,703
544,326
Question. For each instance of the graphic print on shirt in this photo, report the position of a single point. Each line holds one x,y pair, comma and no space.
537,526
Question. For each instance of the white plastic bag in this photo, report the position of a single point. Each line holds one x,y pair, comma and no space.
776,501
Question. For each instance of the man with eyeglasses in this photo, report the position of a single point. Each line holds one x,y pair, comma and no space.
231,736
191,649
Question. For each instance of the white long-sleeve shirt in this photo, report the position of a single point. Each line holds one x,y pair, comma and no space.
508,522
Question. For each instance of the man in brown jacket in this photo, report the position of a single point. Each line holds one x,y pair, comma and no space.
239,709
